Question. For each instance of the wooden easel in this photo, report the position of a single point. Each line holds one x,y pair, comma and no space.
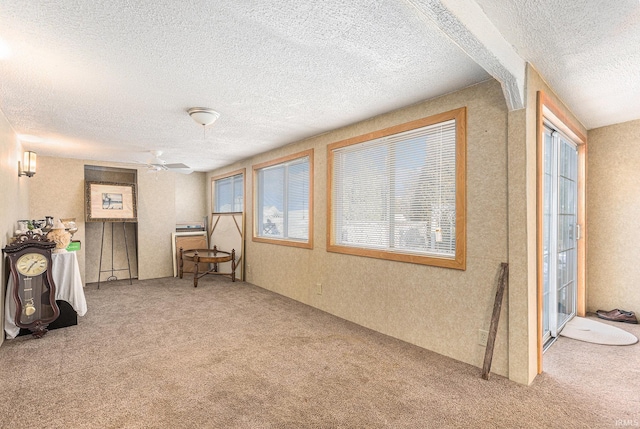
126,248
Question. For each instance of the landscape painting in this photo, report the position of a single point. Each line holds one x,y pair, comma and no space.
110,202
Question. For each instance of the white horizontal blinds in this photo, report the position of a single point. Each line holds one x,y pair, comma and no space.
238,193
223,195
361,196
229,194
283,200
271,193
298,200
398,193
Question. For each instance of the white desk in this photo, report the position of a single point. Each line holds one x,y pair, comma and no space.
66,276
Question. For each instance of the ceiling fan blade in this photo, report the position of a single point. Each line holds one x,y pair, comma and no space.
178,165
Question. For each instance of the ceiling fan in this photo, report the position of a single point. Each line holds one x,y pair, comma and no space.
157,164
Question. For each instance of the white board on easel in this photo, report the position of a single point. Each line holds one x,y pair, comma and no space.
227,233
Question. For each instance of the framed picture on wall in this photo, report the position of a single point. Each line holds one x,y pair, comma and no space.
110,202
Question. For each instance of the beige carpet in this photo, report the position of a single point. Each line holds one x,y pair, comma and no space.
161,354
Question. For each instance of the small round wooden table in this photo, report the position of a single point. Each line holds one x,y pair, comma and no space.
207,256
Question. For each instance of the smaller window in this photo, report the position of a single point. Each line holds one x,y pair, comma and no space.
283,200
228,193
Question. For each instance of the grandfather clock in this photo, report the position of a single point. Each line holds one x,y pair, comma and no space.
34,292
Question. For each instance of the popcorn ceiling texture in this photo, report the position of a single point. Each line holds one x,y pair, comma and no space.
587,51
112,80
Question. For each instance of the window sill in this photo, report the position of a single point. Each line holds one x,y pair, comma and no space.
458,264
284,242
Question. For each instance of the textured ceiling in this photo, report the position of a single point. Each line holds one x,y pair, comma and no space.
112,80
587,50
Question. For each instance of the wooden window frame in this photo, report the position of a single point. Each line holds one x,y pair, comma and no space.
284,241
242,171
459,262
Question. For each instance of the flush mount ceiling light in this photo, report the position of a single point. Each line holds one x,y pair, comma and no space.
203,115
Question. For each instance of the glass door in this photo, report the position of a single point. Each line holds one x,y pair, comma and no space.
560,232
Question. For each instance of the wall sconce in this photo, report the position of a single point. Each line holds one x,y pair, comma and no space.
28,166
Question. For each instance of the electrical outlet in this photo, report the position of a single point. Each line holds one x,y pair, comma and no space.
318,288
483,336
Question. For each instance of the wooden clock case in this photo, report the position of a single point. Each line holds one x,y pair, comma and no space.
36,306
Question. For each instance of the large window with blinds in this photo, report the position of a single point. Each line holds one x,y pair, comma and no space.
283,200
399,193
228,193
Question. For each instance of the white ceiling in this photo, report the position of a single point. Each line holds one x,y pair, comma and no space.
587,50
111,80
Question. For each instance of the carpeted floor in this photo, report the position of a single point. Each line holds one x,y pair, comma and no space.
161,354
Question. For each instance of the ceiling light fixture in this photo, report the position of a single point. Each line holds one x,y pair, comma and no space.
203,115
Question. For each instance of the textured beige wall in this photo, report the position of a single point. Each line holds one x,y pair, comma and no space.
58,189
191,196
156,222
613,206
436,308
521,291
14,198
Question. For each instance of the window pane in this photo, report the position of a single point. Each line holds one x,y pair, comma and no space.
398,192
363,197
297,201
271,207
283,200
229,194
238,193
223,195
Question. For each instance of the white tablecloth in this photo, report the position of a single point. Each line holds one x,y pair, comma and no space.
66,276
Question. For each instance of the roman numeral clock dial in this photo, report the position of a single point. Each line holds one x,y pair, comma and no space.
32,264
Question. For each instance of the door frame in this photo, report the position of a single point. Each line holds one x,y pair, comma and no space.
548,110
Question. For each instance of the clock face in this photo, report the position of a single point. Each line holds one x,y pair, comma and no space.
32,264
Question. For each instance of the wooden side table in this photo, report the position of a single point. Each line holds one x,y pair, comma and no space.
207,256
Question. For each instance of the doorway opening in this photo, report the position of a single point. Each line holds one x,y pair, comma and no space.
561,232
561,222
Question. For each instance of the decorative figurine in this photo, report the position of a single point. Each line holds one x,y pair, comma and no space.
60,236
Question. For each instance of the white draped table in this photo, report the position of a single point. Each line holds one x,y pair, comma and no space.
66,276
